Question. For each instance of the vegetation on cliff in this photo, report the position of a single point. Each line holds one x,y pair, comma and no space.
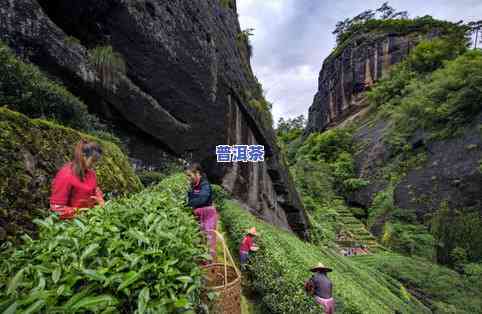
387,20
435,92
439,103
24,88
108,63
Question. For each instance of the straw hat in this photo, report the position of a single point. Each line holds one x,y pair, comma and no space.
321,267
252,231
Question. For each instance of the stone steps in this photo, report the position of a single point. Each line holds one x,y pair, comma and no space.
356,229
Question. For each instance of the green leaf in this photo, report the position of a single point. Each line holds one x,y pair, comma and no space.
60,290
184,279
41,284
129,279
91,303
76,297
181,303
12,286
34,308
143,300
89,250
139,236
56,274
12,309
92,274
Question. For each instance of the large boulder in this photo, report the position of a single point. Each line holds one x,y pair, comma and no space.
183,93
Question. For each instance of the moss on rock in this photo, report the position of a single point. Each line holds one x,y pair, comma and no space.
31,152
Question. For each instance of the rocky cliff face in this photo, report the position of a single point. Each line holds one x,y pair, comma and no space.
182,93
351,70
449,172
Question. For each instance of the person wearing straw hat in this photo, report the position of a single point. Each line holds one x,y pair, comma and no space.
322,287
247,246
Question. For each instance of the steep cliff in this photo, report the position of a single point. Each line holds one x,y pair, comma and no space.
184,89
344,77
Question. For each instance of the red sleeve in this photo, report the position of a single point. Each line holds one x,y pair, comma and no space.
65,212
61,186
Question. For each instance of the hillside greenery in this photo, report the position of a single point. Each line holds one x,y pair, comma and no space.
138,254
24,88
335,148
255,98
288,135
439,103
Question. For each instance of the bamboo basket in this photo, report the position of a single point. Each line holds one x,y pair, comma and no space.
225,281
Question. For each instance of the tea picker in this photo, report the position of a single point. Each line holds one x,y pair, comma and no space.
320,287
247,246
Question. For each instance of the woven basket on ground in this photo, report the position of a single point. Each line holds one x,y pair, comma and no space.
225,281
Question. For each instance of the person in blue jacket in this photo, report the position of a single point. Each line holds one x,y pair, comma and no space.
200,200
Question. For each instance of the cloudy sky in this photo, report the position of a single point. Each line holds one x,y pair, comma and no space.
292,38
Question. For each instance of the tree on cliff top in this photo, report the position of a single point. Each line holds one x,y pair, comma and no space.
385,12
475,28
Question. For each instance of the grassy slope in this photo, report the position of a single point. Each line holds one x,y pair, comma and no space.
281,267
440,288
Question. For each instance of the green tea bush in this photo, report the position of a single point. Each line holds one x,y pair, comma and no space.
279,269
24,88
136,255
149,178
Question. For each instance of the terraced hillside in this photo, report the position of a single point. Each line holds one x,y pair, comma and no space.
280,267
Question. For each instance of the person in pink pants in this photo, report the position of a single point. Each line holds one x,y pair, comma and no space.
200,199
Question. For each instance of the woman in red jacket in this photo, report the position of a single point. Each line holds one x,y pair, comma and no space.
74,188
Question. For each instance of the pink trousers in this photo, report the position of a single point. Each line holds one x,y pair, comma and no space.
328,304
208,220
